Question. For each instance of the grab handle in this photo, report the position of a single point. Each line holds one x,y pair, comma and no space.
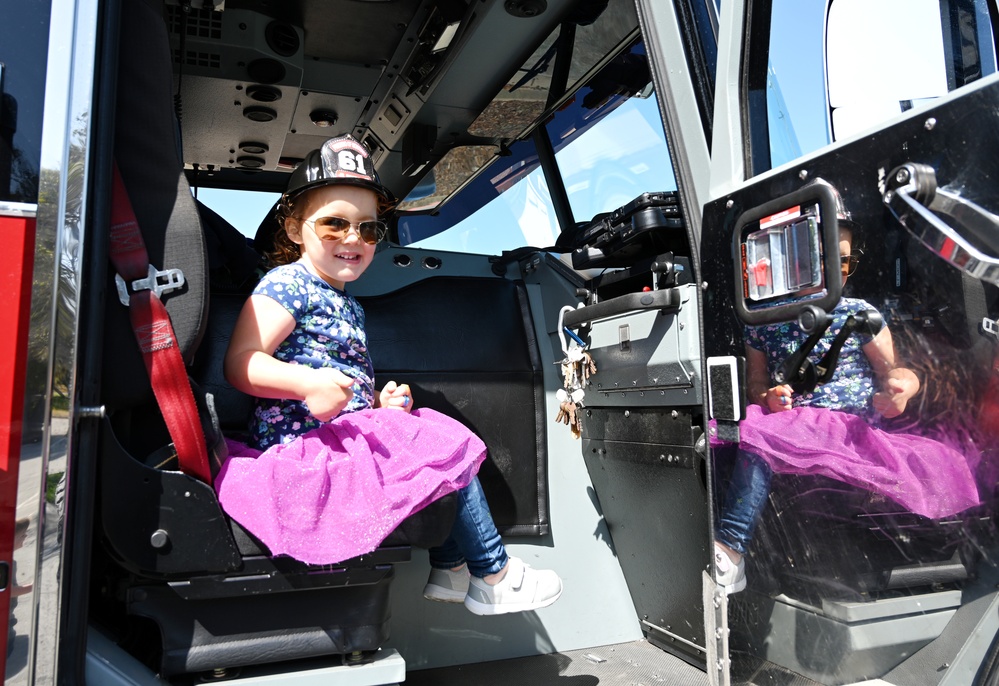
913,198
666,299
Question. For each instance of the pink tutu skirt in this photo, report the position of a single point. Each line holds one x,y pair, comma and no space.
337,491
919,473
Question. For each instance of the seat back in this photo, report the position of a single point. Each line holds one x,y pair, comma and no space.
171,555
147,151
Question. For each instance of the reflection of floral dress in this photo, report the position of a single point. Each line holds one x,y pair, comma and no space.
852,385
327,492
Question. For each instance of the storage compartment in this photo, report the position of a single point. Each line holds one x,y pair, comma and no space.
650,482
648,225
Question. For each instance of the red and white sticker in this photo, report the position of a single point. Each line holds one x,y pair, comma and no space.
781,217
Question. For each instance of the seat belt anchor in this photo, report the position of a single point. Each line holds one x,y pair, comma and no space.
157,281
990,328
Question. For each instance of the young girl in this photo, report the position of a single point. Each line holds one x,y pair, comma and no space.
334,466
829,432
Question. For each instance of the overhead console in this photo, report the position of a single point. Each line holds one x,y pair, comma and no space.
259,85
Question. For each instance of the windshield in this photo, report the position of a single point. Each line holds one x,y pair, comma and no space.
609,148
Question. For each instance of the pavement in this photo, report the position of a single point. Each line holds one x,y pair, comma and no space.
36,562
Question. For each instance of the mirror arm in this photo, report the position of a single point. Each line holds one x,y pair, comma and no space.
913,198
801,374
797,371
870,321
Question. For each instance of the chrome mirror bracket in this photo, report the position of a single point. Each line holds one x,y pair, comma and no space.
970,242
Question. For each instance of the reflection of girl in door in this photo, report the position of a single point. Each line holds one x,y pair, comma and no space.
830,431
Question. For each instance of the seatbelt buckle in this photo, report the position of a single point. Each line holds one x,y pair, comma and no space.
157,281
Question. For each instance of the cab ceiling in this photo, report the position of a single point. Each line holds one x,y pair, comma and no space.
257,77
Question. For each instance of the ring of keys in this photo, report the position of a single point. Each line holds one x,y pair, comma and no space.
577,367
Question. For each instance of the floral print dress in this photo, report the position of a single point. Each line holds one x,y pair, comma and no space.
324,492
329,332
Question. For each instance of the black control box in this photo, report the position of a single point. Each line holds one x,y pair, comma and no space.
649,225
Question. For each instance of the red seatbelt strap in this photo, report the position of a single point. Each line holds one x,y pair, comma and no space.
154,332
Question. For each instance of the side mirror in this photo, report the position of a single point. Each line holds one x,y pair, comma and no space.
883,57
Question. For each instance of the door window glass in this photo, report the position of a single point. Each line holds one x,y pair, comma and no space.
826,75
24,34
795,97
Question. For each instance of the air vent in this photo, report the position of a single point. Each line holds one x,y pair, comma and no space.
253,147
260,114
250,162
197,58
199,23
263,93
525,8
282,38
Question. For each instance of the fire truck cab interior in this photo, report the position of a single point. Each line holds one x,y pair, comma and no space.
572,172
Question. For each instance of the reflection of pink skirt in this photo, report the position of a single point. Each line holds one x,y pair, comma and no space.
921,474
337,491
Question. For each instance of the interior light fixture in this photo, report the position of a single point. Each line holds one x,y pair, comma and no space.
324,119
447,35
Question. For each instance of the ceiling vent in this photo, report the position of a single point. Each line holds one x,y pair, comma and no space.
282,38
263,93
525,8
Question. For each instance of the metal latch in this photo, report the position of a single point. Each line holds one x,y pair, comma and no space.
990,327
157,281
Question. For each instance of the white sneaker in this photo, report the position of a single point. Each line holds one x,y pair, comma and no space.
522,589
447,586
731,577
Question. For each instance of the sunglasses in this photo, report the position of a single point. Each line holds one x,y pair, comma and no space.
335,228
848,263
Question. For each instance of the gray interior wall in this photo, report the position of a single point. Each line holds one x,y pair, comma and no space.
595,608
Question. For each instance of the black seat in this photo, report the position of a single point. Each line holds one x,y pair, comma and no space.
171,555
217,597
822,539
870,545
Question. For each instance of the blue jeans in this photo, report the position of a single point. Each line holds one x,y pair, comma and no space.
474,539
745,499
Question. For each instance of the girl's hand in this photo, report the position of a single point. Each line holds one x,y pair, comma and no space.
778,398
396,397
899,386
328,391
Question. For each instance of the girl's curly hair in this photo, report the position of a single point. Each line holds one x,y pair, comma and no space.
285,250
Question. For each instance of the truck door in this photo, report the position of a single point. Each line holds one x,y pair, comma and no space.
876,531
22,85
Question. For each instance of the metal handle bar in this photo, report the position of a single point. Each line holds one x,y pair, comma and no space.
666,299
913,198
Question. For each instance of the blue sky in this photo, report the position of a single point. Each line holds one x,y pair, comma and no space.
244,209
796,36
